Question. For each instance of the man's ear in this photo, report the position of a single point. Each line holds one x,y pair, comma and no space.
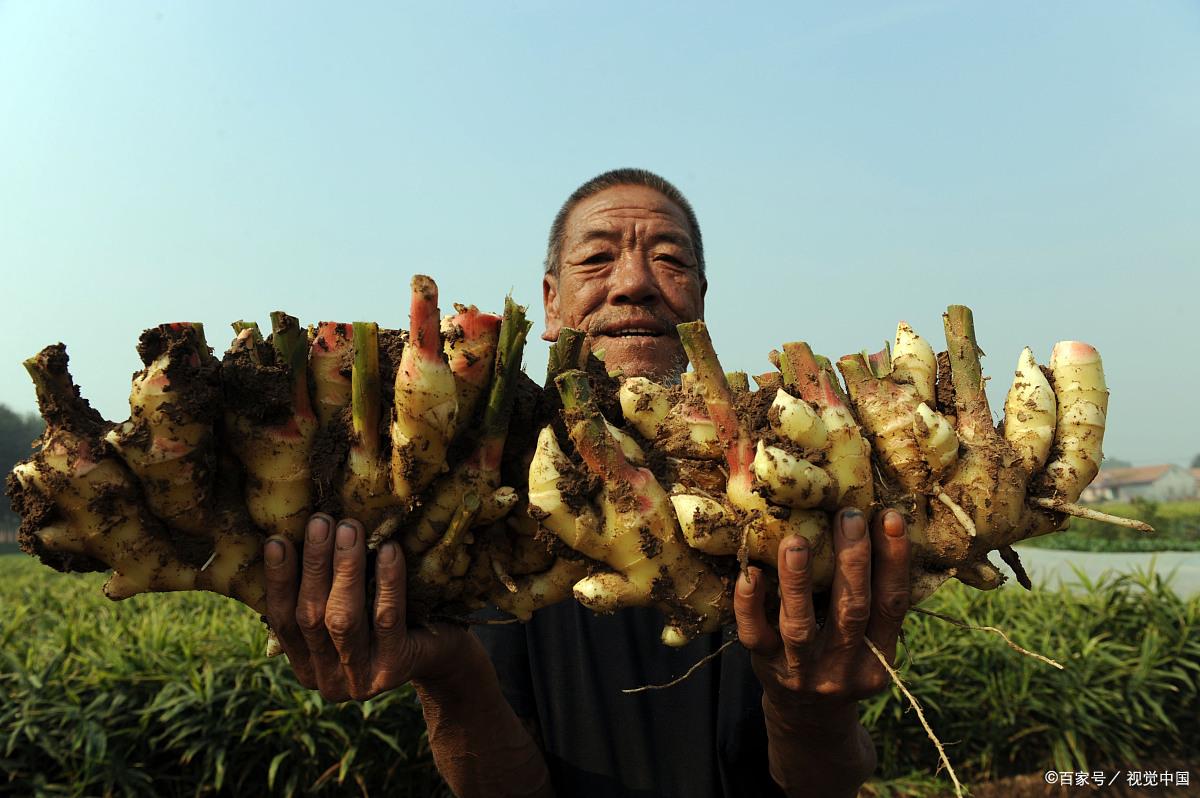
550,303
703,292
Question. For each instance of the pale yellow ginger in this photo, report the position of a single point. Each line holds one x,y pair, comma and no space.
157,502
888,411
1030,413
645,405
936,440
847,452
681,428
272,439
705,524
964,484
530,592
1082,407
797,421
365,487
477,478
763,528
634,532
913,362
426,398
788,480
469,344
82,509
332,343
168,441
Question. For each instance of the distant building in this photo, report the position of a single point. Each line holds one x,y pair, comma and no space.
1160,483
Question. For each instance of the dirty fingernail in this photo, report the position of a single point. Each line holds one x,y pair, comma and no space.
318,529
346,535
273,553
854,525
893,524
796,558
746,583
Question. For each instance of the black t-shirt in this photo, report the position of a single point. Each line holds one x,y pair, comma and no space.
702,738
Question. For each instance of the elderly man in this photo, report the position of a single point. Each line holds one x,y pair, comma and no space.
538,709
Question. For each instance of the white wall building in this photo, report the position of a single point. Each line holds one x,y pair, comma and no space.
1160,483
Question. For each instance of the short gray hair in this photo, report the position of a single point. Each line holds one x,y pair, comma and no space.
611,179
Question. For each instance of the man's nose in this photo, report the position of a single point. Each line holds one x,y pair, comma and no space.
632,281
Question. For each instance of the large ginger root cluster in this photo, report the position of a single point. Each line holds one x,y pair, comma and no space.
618,490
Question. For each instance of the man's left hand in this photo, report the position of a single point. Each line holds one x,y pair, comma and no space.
812,674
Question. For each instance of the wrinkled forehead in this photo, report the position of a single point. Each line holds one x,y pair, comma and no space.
621,205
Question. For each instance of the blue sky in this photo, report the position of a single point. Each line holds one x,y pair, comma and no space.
851,165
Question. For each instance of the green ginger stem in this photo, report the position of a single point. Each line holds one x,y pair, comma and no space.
592,439
566,353
513,331
365,388
291,347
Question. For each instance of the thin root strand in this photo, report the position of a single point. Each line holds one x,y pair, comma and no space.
991,629
690,671
1079,511
958,788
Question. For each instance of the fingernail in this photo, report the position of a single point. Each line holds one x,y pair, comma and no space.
318,529
796,558
746,583
854,525
346,535
274,553
387,553
893,524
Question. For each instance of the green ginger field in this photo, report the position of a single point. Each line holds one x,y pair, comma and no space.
171,695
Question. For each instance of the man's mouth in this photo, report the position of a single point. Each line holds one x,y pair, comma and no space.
634,328
634,332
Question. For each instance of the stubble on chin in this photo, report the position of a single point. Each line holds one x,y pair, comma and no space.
646,361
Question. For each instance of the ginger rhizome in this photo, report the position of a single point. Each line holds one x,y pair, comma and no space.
82,508
619,491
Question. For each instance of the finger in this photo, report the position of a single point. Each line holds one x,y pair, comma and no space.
889,580
281,568
345,614
797,620
850,595
315,581
753,629
391,658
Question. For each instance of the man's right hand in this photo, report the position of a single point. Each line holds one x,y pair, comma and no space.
317,609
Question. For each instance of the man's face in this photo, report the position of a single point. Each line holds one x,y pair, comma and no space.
628,275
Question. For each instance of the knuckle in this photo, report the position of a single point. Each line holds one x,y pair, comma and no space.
893,606
830,688
853,611
795,631
341,623
388,620
750,639
310,617
876,681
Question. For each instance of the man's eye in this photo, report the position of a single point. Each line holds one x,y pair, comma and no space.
599,257
671,259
